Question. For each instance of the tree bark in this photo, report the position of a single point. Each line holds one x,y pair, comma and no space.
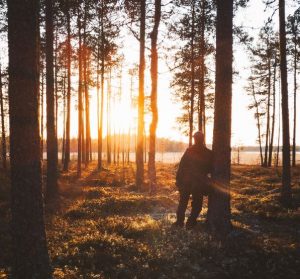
192,97
3,132
67,144
258,126
154,78
141,99
268,114
86,92
219,201
52,159
286,194
80,105
295,102
30,256
273,118
100,125
201,113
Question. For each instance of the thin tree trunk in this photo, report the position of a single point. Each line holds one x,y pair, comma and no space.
52,160
42,113
29,246
279,128
98,100
56,81
295,105
64,121
286,194
67,150
154,79
108,136
219,201
3,133
86,92
80,106
258,126
201,113
141,99
273,118
100,127
268,114
191,116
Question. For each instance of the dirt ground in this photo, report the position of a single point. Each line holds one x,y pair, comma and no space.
102,228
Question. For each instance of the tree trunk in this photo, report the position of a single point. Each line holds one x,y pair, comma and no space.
295,103
273,118
219,201
80,106
30,256
108,136
86,92
3,132
141,100
100,125
67,147
286,194
268,115
154,78
52,189
42,112
201,106
191,116
64,121
258,126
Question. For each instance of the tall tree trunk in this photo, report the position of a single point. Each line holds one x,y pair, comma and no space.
100,125
52,189
67,148
56,81
295,103
192,97
219,201
80,106
108,120
258,125
86,92
273,118
64,121
286,194
42,111
154,78
201,105
268,115
139,180
3,132
98,99
279,128
30,256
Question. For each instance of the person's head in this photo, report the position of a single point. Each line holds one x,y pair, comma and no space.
198,138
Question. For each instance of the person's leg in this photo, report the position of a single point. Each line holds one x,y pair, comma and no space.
183,202
197,201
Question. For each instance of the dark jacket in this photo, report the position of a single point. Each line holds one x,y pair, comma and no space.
194,167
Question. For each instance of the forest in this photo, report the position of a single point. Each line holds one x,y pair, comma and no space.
116,113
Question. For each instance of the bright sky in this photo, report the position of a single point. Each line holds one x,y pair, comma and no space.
244,129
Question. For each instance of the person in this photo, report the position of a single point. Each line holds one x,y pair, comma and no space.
192,179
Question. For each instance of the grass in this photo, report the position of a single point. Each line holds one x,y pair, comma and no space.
105,229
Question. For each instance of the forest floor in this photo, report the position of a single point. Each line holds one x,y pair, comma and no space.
102,228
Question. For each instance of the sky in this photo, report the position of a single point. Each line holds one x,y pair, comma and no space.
244,131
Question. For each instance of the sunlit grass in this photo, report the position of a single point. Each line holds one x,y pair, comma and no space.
108,230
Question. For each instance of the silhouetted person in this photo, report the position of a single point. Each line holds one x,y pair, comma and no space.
192,179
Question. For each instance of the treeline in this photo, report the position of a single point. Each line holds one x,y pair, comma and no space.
123,142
